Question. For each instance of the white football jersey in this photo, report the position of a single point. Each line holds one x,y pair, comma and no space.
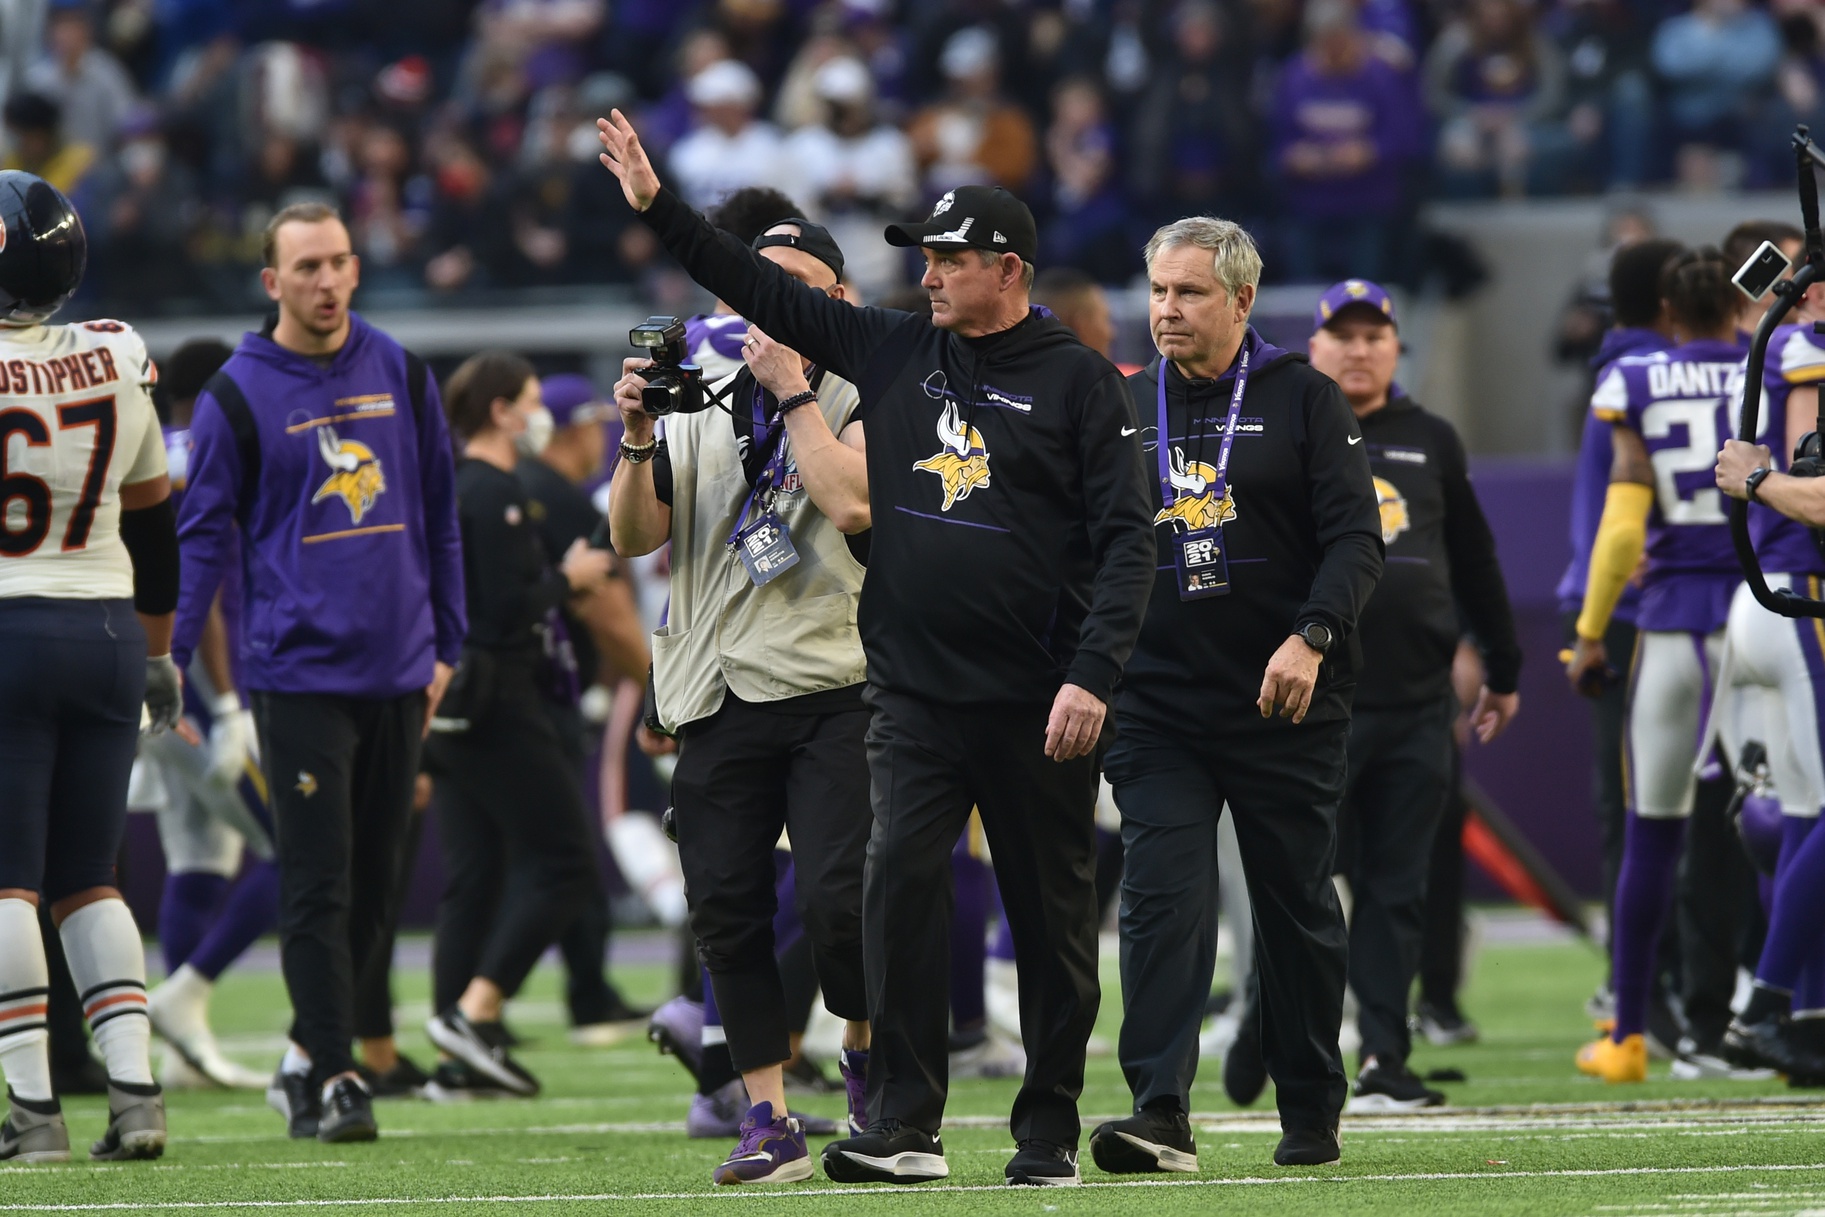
76,423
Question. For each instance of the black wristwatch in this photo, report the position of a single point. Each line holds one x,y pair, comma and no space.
1317,635
1753,482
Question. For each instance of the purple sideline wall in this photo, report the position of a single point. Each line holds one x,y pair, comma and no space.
1539,772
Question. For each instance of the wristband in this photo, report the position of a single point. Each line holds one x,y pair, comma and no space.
225,704
795,401
638,455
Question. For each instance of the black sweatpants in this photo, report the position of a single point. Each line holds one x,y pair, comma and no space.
584,944
743,774
1717,907
930,764
518,846
1283,784
1399,777
1441,952
340,772
374,984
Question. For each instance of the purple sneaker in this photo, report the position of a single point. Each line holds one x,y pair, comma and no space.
717,1115
854,1066
772,1150
677,1028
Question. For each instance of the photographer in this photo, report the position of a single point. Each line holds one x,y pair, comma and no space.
1010,563
518,846
759,669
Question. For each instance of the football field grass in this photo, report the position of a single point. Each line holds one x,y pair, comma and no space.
1525,1135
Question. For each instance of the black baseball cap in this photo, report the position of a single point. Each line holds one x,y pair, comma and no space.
813,239
974,217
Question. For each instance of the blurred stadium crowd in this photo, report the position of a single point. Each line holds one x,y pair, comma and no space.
455,134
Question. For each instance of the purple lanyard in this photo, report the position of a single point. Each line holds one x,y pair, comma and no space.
1219,488
776,463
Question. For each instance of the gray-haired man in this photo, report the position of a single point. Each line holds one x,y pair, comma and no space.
1238,692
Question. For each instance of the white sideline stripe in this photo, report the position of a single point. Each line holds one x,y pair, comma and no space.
892,1190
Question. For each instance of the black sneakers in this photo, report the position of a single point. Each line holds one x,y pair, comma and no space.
1443,1024
1391,1088
1155,1139
889,1152
296,1097
348,1113
483,1047
1042,1164
1308,1147
404,1080
1769,1043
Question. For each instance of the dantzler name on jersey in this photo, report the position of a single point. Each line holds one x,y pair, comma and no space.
76,424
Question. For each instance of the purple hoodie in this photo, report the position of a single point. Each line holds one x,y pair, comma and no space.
351,556
1372,103
1592,482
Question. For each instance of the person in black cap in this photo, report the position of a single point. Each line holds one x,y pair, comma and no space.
1011,558
758,672
1441,564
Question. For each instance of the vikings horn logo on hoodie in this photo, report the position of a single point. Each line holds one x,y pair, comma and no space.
963,464
355,475
1196,505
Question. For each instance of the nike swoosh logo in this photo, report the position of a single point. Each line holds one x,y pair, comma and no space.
1355,439
1129,430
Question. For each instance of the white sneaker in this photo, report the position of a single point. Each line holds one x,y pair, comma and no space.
176,1074
1001,994
995,1056
179,1012
1218,1035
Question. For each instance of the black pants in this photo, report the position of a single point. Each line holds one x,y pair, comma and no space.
1607,712
584,943
1283,785
1400,773
374,986
340,771
743,774
1716,909
1441,952
518,846
929,764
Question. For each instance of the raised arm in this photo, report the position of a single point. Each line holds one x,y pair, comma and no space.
830,333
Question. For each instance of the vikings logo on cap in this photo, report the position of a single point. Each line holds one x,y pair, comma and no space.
1394,517
944,204
1197,505
963,464
355,475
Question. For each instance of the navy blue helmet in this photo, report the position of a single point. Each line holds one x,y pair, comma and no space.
43,250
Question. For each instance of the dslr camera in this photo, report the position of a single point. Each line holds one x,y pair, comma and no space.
672,385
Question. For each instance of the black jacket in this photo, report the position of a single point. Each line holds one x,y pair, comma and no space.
1441,558
509,584
1010,549
1304,545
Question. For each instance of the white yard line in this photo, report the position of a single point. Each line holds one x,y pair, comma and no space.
922,1189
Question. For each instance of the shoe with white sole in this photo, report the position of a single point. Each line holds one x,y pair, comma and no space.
1042,1164
1692,1065
179,1011
136,1124
1390,1088
1153,1139
772,1150
890,1152
481,1046
987,1054
35,1133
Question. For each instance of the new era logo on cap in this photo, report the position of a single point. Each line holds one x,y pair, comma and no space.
974,217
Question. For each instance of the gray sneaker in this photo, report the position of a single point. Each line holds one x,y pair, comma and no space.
136,1124
33,1136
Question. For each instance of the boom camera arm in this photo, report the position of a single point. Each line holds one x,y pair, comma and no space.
1808,460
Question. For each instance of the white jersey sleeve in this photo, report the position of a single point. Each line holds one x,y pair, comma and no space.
1610,401
1800,359
76,422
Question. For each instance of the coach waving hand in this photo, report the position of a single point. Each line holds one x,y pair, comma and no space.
1010,565
1238,692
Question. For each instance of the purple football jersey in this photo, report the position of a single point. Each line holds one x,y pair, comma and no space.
1677,401
1796,358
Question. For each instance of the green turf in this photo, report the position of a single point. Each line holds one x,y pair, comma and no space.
1699,1148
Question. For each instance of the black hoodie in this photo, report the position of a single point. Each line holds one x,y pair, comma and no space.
1304,544
1011,548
